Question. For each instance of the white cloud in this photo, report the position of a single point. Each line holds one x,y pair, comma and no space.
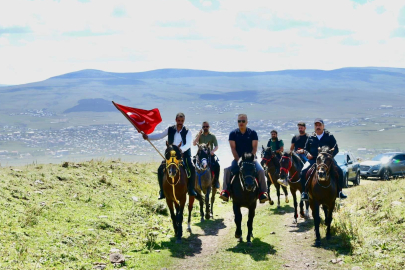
128,36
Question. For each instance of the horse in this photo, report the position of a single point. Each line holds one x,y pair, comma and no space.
175,188
322,190
291,166
203,183
268,163
245,192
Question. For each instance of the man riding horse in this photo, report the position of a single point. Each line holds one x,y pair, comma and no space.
318,139
205,136
244,140
177,135
277,146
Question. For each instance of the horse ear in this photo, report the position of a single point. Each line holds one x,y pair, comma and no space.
332,150
319,150
209,145
262,147
179,144
167,143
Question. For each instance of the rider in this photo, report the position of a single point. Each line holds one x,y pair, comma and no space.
298,142
244,140
177,134
205,136
278,147
319,138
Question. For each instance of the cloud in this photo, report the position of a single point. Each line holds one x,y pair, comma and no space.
230,35
14,30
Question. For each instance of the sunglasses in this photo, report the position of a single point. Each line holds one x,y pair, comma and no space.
241,121
206,126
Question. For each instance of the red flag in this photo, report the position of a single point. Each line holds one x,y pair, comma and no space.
143,120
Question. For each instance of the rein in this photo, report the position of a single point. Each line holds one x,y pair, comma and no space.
288,170
242,177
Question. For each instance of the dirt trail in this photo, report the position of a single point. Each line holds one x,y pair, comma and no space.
295,246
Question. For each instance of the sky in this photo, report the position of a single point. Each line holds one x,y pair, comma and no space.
44,38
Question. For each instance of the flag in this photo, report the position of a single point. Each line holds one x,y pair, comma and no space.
143,120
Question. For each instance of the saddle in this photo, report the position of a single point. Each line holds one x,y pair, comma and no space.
310,171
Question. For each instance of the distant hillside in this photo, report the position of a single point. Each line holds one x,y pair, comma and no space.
290,94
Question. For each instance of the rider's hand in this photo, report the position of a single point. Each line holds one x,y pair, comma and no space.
300,151
145,137
309,156
212,153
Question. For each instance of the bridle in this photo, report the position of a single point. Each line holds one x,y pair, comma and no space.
267,160
198,161
327,170
287,170
242,176
173,161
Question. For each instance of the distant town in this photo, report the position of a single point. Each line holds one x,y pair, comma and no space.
117,140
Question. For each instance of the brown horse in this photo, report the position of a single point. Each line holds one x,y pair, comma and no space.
203,183
268,163
291,166
323,190
175,188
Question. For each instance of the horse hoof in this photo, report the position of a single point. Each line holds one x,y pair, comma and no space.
207,217
241,239
202,219
249,244
317,243
278,206
271,202
189,230
302,215
328,237
287,200
295,221
178,241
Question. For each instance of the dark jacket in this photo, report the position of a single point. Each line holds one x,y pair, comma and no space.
183,133
313,143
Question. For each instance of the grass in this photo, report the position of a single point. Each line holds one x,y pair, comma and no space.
372,222
57,217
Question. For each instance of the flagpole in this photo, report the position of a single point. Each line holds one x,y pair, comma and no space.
138,129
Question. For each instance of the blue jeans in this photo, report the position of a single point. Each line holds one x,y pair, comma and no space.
303,157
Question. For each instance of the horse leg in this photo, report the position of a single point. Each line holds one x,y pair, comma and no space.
214,191
307,209
286,194
295,207
207,203
190,209
271,202
179,221
278,194
328,221
201,206
317,221
238,221
250,224
172,215
302,214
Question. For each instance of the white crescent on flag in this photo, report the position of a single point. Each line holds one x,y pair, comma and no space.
134,116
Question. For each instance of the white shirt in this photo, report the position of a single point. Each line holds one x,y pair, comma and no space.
320,136
177,138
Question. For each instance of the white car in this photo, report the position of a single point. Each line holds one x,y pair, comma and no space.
384,166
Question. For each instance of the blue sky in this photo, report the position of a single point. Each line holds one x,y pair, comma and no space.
44,38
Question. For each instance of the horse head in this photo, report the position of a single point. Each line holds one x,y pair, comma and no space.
247,172
202,156
267,156
324,162
173,160
285,164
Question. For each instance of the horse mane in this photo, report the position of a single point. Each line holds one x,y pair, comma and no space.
248,157
175,148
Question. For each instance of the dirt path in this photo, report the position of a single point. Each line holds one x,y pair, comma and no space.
294,242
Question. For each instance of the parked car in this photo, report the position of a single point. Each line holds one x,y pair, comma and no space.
350,167
384,166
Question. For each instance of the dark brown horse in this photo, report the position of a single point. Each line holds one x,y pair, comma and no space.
245,193
175,188
269,164
291,166
203,183
322,190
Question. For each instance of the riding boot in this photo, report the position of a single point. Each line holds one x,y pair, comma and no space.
216,176
191,184
339,173
160,179
304,195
